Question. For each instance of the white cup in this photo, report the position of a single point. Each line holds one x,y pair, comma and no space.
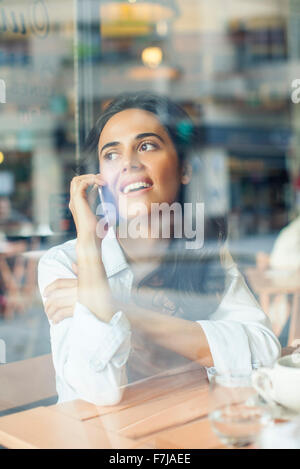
281,383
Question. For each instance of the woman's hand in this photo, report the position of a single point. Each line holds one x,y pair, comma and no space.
61,297
85,220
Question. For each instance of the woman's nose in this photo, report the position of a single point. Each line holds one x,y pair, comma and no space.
131,161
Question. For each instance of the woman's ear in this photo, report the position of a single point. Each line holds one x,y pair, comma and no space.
186,173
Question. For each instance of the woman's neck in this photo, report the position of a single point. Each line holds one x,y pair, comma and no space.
142,241
143,249
143,255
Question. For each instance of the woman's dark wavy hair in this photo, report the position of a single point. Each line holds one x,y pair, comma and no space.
188,272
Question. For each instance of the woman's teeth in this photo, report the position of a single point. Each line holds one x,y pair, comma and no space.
135,186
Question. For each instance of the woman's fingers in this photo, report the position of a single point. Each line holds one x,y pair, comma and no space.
70,292
80,204
79,184
62,314
89,178
54,306
59,284
61,296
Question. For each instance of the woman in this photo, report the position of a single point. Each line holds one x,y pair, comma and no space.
121,307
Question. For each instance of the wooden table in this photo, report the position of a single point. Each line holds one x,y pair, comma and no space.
26,382
164,412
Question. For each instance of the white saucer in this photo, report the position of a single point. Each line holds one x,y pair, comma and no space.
276,410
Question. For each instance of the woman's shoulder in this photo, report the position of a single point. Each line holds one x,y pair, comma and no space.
56,263
60,253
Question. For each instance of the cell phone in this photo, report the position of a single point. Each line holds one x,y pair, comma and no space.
105,212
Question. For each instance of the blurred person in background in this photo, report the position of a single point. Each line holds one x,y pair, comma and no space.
16,274
12,222
282,264
285,253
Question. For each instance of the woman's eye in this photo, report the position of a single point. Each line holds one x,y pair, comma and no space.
111,156
148,146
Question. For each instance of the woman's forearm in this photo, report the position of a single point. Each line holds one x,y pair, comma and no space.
93,288
184,337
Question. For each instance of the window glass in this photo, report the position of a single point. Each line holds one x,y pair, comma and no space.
232,65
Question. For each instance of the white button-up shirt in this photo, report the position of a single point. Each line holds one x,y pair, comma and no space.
90,356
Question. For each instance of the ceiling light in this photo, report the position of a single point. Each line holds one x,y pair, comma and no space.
149,11
152,56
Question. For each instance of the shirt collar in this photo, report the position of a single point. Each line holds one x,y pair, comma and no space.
113,257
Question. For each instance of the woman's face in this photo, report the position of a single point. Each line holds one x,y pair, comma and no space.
138,160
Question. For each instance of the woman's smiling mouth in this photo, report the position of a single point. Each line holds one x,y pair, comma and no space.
136,187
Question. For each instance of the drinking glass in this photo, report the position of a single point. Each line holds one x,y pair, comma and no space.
237,418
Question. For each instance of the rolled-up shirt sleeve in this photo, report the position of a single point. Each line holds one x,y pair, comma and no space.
89,355
239,333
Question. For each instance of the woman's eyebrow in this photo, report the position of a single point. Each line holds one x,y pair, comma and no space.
138,137
110,144
149,134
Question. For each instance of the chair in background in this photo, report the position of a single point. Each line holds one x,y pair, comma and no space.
18,277
278,292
